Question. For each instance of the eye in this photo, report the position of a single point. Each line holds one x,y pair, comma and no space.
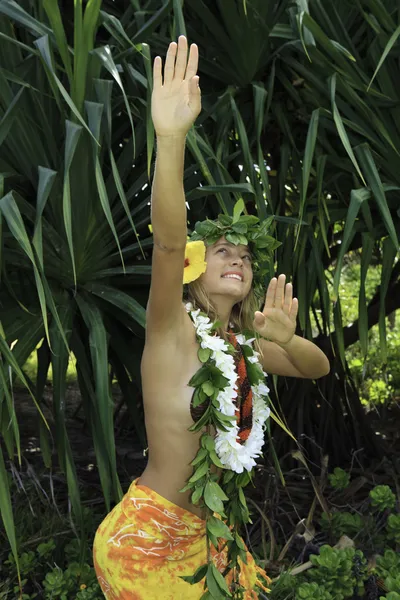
222,250
247,257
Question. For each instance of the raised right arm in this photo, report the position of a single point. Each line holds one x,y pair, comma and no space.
175,106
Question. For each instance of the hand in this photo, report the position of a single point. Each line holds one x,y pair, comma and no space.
176,101
277,321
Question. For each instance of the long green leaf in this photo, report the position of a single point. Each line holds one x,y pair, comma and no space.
392,40
54,15
99,353
375,183
14,220
73,133
307,163
367,249
357,198
388,257
46,182
9,116
340,127
14,11
105,56
121,300
7,513
44,49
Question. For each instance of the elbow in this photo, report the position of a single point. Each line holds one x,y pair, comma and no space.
324,370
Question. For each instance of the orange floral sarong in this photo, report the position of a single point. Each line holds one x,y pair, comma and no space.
147,542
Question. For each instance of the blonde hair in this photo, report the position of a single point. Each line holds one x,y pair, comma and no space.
242,314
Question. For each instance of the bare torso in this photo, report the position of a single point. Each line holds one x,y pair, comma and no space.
167,367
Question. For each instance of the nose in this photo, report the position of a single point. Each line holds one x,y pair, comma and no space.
237,260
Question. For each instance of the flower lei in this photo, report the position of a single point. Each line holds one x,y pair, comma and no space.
215,386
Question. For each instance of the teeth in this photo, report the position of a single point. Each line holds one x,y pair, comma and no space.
232,277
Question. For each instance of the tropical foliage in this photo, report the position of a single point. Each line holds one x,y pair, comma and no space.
300,119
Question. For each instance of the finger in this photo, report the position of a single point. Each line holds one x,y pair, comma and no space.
270,295
294,309
193,62
181,59
287,302
170,63
157,73
280,291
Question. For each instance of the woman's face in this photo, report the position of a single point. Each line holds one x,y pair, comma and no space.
229,271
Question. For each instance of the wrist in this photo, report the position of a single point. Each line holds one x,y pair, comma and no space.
171,139
287,344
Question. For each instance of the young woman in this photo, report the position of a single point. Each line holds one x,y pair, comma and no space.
157,534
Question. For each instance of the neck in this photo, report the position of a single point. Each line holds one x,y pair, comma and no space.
224,307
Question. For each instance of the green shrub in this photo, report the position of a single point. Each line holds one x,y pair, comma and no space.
388,564
343,523
392,584
312,591
382,497
93,592
393,528
58,584
339,572
339,479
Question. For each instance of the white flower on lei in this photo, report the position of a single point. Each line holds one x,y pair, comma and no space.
243,341
213,342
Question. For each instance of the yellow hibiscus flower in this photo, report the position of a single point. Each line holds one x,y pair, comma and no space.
195,264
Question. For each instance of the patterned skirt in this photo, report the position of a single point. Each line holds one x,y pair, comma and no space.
146,543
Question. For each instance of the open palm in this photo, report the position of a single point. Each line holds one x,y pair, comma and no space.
277,320
176,102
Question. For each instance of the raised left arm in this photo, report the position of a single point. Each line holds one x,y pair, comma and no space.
283,352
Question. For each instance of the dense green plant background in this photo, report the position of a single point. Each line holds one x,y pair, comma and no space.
300,118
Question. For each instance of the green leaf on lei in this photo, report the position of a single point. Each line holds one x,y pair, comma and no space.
205,228
212,499
208,388
242,498
240,228
254,373
198,426
216,460
200,376
225,220
197,494
198,397
233,238
207,441
239,542
199,473
212,584
228,476
237,210
200,456
219,492
220,580
204,354
218,528
199,574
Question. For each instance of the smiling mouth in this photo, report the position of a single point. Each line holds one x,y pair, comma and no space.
232,276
